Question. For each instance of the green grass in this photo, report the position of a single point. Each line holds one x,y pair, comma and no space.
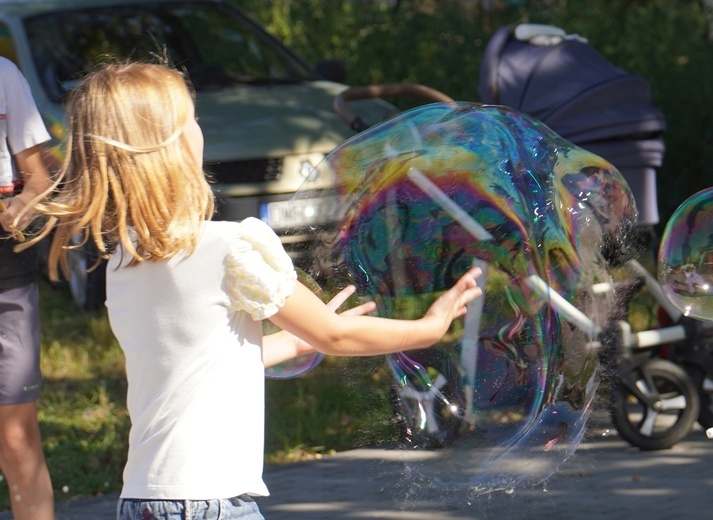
341,404
82,411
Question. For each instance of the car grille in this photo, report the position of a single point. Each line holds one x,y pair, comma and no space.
243,172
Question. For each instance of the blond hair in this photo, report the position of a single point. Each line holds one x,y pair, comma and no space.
129,178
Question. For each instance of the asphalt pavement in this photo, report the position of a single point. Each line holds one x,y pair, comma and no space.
605,479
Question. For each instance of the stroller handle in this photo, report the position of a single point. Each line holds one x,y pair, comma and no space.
386,90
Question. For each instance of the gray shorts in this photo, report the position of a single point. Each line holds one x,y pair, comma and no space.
20,377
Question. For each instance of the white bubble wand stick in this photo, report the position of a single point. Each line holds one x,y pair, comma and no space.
475,308
556,301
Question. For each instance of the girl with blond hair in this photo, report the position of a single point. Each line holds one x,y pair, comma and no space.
186,296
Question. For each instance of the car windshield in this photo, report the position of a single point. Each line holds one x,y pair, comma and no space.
213,43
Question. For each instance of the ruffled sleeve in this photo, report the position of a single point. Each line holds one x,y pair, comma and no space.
259,273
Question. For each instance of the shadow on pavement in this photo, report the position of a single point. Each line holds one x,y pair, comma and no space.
606,478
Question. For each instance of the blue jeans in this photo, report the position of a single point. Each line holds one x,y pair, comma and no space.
238,508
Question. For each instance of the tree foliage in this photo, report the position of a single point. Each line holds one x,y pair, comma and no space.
441,44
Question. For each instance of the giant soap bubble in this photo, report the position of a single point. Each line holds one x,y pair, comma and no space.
417,200
685,260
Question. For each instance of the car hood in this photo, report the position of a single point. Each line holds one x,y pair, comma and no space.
247,122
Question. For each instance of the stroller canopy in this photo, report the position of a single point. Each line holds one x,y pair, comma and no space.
564,82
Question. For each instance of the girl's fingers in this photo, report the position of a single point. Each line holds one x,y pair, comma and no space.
342,296
339,298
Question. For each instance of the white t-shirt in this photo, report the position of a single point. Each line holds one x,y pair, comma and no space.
21,126
194,361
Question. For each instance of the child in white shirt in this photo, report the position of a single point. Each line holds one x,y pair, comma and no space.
185,296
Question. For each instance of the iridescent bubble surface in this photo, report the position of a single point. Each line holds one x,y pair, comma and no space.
419,199
303,364
685,261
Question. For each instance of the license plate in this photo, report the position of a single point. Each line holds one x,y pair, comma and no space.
298,213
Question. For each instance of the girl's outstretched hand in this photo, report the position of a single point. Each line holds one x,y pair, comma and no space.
452,304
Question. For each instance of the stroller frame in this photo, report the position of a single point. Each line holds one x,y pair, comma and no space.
653,402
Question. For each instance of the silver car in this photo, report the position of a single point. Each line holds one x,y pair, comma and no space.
266,115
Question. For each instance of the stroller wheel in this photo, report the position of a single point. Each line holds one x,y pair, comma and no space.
430,418
704,383
656,406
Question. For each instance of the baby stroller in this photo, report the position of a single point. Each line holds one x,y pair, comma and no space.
654,401
565,83
561,80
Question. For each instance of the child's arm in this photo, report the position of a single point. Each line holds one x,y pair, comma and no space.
306,317
283,346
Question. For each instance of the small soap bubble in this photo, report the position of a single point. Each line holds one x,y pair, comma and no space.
303,364
685,261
